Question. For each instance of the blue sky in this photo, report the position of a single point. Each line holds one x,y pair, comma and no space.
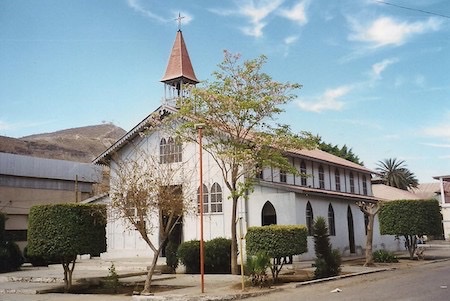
375,75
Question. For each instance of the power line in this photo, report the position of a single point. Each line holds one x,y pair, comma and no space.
414,9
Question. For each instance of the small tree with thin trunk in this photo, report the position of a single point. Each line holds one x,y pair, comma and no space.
63,231
238,111
411,219
151,196
370,209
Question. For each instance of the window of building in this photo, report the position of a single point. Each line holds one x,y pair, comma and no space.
170,150
321,177
283,176
337,179
205,199
364,184
331,223
352,183
216,198
309,218
303,173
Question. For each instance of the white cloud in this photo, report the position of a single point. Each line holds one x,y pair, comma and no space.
379,67
256,12
386,31
439,131
138,7
291,39
328,101
297,13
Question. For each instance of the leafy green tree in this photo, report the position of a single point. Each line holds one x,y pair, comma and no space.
411,219
328,261
64,231
395,173
277,241
237,110
342,152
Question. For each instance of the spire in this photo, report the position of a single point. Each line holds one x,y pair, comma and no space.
179,68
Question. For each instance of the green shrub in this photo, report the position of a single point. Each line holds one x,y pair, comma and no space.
189,254
171,255
10,257
278,241
256,267
384,256
328,261
218,256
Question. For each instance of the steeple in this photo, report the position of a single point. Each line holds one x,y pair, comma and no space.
179,70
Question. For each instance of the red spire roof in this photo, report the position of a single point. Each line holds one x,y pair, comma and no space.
179,65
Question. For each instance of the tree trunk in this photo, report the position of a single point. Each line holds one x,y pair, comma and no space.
411,245
369,240
234,248
148,279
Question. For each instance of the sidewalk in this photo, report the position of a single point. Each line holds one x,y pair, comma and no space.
28,283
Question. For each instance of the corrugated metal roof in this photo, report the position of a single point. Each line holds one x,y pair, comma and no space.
34,167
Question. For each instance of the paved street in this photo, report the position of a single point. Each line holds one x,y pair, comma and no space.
426,282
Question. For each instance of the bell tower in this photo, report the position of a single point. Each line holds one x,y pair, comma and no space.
179,72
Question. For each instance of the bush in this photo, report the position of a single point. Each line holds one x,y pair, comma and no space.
384,256
278,241
218,256
171,255
256,267
10,257
189,254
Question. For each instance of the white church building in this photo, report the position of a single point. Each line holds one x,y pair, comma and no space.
331,189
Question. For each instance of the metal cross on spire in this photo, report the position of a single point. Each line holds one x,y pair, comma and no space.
179,20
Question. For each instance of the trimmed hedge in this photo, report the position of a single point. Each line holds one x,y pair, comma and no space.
217,256
411,217
66,230
277,240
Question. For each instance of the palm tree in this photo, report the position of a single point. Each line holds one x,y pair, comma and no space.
395,173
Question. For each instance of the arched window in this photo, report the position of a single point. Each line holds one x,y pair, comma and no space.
352,183
216,198
205,199
366,221
170,150
321,177
364,184
337,179
303,173
309,218
331,223
268,215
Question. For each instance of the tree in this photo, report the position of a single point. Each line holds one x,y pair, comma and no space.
396,174
63,231
411,219
370,209
238,110
278,242
342,152
328,261
151,197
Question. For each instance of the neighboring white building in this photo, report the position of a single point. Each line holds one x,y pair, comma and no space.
444,192
331,189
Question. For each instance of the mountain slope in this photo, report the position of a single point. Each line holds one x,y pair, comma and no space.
81,144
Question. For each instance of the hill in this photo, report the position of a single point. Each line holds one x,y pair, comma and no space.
82,144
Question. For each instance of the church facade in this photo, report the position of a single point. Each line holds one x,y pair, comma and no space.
329,186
